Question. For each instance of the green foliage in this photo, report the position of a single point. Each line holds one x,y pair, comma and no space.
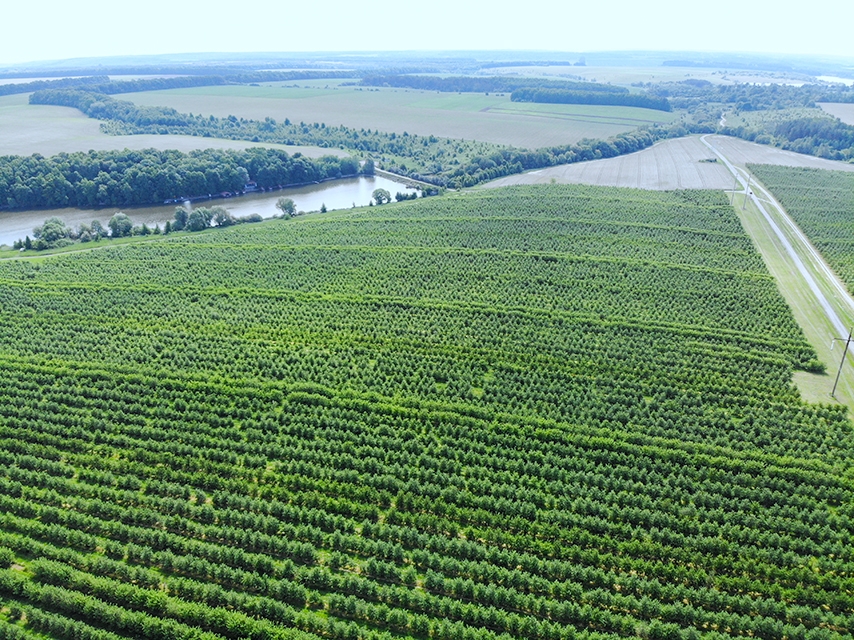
381,196
286,206
150,176
103,84
580,96
542,412
822,204
120,225
444,162
480,84
199,219
53,233
776,114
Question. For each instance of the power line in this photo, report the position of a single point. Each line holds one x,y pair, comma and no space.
844,352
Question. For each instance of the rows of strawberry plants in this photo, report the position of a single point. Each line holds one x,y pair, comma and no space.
418,433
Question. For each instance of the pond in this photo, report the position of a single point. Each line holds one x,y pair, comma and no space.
335,194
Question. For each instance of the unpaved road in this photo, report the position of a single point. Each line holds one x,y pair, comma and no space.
819,300
804,246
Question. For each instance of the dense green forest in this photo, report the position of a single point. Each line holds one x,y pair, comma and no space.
545,412
561,96
822,205
149,176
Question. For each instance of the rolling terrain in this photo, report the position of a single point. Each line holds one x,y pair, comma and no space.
488,118
534,412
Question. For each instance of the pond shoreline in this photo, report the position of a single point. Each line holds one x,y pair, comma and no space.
337,193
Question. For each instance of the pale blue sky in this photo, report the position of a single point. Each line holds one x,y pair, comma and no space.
51,29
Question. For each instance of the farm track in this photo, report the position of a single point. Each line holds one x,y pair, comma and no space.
820,300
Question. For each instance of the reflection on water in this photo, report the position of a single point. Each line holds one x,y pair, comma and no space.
336,194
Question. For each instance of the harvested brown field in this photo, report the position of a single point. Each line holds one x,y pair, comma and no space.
671,164
843,111
741,152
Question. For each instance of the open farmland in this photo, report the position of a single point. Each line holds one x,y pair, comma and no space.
671,164
27,129
741,153
843,111
488,118
537,412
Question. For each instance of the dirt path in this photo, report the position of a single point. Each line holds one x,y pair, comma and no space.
794,255
819,299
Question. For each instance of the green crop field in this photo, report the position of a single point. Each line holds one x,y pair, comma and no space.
488,118
821,202
27,129
538,412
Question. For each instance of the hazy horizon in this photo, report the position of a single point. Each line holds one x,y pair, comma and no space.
97,28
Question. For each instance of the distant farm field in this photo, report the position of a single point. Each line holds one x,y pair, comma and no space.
626,75
26,129
844,112
741,152
672,164
490,118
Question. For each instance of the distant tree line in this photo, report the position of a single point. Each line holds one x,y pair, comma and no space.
563,96
468,163
493,84
692,93
122,178
824,137
526,89
63,83
819,134
507,161
103,84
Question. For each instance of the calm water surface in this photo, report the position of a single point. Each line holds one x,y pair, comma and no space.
336,194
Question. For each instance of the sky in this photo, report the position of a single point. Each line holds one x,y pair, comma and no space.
56,30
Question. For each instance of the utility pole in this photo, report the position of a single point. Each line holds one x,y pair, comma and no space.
746,192
844,352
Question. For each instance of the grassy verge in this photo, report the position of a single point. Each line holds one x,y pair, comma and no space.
817,327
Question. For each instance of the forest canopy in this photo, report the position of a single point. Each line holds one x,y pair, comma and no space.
148,176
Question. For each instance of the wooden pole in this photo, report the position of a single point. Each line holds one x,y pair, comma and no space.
841,362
